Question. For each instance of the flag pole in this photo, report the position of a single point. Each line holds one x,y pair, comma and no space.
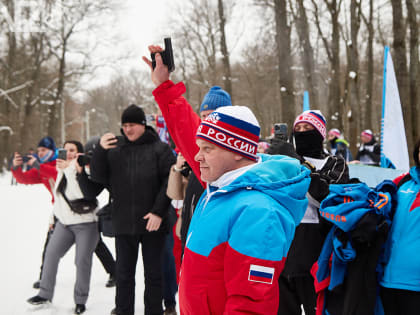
306,101
383,159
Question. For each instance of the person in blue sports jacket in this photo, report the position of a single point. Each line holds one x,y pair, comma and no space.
244,223
400,285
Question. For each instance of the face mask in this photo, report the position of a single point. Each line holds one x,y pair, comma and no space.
309,143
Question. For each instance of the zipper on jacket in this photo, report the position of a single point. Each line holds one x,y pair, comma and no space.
132,165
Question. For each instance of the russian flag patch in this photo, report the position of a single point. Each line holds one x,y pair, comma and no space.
261,274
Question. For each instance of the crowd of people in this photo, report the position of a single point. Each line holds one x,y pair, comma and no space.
262,228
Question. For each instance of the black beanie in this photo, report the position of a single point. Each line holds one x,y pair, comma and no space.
133,114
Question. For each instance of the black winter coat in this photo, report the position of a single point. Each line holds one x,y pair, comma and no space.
137,175
309,238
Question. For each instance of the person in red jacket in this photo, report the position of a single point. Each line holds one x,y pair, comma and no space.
43,171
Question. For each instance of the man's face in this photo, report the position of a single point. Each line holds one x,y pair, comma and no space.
205,113
133,131
214,161
41,151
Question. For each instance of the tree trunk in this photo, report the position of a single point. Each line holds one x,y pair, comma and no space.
366,113
335,102
400,65
223,47
353,100
285,62
30,128
414,67
55,116
307,55
7,114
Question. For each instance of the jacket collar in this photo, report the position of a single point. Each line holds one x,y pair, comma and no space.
228,177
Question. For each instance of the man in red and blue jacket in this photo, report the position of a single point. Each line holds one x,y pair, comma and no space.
244,223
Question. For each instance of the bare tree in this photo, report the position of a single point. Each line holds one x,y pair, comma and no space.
414,69
352,97
74,14
335,101
227,78
400,62
306,51
366,111
285,61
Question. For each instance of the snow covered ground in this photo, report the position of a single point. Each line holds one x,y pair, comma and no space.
24,217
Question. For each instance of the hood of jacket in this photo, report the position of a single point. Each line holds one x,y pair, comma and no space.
415,174
281,177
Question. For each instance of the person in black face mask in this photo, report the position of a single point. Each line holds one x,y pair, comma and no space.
296,283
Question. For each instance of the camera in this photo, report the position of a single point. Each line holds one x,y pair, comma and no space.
62,154
84,159
26,158
280,131
167,56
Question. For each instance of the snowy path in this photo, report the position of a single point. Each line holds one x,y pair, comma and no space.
24,217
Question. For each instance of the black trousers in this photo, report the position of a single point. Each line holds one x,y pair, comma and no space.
127,248
105,257
294,292
400,302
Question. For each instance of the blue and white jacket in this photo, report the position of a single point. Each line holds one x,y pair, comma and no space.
239,237
402,270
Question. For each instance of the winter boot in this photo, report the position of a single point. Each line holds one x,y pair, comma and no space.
37,300
80,309
170,311
36,284
111,282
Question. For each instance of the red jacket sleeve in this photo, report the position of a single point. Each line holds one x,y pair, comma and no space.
247,294
181,120
30,177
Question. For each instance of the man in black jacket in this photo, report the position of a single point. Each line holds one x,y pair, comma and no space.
136,170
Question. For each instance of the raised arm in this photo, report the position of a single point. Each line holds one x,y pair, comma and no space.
181,120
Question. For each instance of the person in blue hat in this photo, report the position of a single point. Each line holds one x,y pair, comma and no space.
216,97
42,171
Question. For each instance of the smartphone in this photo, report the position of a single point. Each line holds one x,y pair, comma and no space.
280,131
62,154
120,140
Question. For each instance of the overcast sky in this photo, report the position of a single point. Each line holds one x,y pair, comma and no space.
139,23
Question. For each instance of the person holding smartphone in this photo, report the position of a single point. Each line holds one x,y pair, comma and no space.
71,227
42,171
136,171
